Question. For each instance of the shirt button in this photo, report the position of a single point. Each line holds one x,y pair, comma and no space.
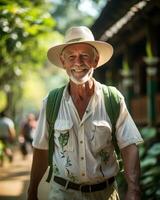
83,174
81,141
82,158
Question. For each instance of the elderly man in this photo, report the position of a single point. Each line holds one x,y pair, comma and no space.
83,130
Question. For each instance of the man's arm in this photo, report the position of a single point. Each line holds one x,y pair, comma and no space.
39,166
131,162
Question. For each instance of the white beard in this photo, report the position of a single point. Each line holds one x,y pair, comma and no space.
83,80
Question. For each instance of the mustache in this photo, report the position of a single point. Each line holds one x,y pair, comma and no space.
76,67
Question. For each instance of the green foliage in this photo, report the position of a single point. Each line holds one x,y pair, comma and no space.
150,164
26,33
23,27
75,12
3,100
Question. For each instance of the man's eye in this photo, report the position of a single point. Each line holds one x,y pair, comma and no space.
85,56
71,57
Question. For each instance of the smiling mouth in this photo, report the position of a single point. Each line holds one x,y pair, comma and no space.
79,70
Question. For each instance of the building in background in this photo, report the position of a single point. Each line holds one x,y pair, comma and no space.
133,28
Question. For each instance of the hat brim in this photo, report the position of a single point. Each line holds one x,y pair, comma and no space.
104,49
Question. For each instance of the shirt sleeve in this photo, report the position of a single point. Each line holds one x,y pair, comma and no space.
40,140
127,132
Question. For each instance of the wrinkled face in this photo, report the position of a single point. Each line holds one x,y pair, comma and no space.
79,60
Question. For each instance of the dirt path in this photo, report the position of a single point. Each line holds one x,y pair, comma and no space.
14,179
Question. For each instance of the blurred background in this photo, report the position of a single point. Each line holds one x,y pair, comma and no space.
29,28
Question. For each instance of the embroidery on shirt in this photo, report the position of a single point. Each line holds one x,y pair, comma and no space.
63,139
68,162
56,170
100,168
71,176
62,154
104,158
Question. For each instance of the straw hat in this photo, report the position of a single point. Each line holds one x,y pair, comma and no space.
80,34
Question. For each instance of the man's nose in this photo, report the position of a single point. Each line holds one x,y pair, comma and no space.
78,60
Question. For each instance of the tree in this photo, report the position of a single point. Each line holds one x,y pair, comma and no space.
23,27
75,12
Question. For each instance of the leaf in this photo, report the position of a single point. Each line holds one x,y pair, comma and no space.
147,180
154,150
148,161
158,192
148,132
155,171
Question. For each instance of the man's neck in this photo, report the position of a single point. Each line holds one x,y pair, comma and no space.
81,95
82,90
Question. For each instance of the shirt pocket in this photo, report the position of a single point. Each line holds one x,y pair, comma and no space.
63,135
101,135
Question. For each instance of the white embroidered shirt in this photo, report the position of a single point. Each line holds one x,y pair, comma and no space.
83,148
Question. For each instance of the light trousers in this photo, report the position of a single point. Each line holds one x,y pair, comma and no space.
58,192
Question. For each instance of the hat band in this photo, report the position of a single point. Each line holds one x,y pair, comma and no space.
76,40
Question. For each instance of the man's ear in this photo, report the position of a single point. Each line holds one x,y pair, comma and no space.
62,60
96,61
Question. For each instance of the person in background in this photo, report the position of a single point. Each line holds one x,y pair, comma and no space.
84,161
7,135
27,132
